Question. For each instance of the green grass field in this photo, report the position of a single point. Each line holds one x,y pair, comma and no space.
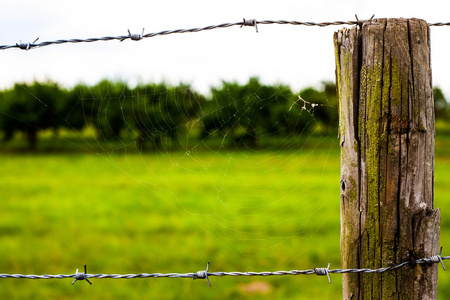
173,212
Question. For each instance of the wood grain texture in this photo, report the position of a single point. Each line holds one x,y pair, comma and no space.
347,79
386,130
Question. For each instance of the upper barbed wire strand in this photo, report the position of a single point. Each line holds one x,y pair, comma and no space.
167,32
439,24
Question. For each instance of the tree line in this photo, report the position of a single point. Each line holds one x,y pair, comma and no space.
157,114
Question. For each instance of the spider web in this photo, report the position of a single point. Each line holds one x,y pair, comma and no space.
237,163
244,175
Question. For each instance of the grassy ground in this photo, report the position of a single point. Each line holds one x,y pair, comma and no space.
173,212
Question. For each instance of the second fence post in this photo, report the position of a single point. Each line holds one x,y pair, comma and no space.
386,129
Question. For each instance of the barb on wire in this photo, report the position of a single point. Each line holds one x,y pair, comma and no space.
434,259
203,275
360,23
81,276
26,46
323,271
134,37
251,22
206,274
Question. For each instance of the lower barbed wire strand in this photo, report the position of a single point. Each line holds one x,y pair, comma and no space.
429,260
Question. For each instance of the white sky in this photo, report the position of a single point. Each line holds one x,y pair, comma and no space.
295,55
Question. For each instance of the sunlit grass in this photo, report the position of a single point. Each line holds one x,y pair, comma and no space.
173,212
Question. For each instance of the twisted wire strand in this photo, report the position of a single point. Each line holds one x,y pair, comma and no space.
439,24
245,22
205,274
27,46
248,22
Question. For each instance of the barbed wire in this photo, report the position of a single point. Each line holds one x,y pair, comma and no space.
137,37
206,274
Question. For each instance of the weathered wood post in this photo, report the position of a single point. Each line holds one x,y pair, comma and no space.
386,129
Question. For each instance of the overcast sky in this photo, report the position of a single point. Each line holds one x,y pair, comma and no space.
295,55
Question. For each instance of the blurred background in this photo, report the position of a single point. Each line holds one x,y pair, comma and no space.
164,154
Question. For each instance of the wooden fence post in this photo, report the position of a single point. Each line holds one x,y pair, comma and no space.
386,129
